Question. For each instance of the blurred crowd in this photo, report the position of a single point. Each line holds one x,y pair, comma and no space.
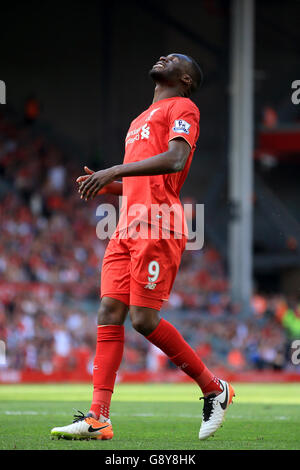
50,262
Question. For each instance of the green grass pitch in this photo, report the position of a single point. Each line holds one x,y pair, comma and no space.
151,416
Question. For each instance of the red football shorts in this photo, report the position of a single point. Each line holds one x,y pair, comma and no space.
141,272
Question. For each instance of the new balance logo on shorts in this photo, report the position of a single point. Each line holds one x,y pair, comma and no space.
150,286
181,126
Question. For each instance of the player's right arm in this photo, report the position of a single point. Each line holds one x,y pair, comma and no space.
116,187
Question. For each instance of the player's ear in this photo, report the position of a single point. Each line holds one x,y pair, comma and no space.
187,80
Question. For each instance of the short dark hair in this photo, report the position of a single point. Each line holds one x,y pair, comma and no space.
196,74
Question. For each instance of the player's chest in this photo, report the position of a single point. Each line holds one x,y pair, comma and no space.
149,127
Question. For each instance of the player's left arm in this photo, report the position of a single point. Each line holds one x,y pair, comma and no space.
171,161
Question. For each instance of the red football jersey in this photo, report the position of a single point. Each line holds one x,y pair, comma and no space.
155,199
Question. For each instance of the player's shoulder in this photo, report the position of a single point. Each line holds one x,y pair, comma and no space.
183,103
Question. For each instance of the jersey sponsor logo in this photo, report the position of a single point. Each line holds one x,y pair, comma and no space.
181,126
142,132
132,139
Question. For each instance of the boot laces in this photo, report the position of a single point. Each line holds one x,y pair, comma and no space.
208,407
79,417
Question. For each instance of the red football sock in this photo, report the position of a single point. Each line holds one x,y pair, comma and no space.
167,338
109,353
213,386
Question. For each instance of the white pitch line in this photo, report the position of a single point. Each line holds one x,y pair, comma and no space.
142,415
137,415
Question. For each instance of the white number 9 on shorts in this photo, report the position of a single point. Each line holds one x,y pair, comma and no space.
153,270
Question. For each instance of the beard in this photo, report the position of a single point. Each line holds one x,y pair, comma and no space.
156,75
163,76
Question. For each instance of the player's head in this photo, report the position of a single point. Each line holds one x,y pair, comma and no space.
178,70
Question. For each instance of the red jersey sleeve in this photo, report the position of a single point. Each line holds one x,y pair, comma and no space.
184,122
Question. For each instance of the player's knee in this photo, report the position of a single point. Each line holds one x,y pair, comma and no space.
111,312
143,322
139,325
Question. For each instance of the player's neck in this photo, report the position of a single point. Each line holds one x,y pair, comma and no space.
163,92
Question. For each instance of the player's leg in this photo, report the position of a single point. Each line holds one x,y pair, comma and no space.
115,286
166,337
109,353
154,265
154,268
110,344
217,393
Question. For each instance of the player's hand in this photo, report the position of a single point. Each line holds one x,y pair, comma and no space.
92,184
82,178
